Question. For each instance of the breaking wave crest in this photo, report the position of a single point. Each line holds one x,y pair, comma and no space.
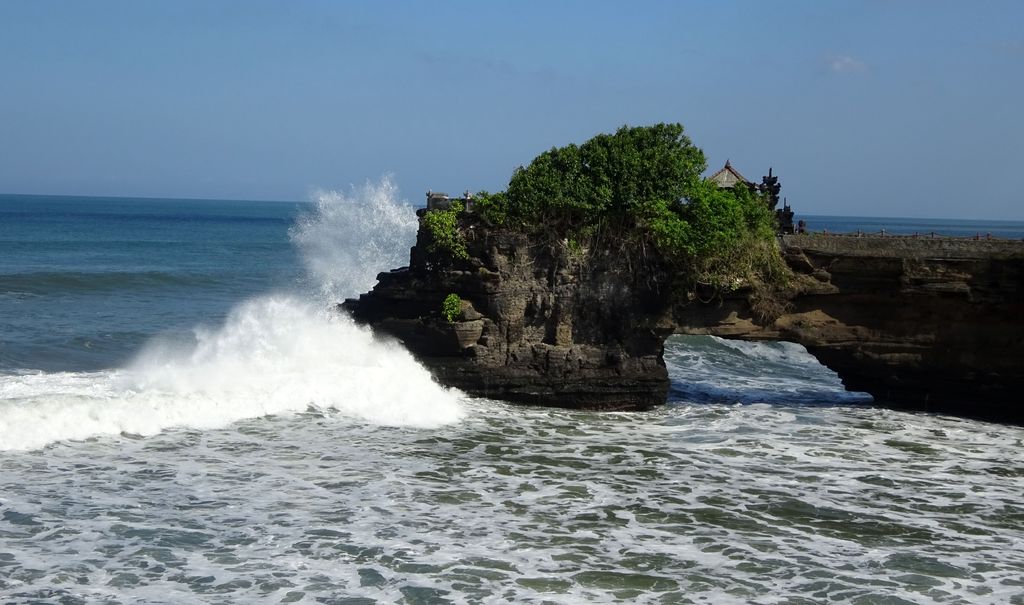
349,238
273,354
708,369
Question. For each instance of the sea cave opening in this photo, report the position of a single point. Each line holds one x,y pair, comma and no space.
710,369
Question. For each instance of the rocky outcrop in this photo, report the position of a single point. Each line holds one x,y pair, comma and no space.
538,324
925,323
928,323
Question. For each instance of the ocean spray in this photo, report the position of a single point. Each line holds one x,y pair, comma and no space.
274,354
347,239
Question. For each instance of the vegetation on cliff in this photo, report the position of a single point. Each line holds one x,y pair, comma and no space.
445,235
611,175
639,192
451,307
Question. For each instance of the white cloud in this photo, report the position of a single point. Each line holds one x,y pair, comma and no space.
845,64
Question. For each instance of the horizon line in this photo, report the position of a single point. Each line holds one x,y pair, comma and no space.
157,198
279,201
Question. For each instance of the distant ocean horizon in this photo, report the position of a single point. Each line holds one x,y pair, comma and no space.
842,223
186,418
909,226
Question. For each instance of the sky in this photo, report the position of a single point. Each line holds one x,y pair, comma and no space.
863,108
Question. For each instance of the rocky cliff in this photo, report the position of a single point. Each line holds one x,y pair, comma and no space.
539,323
927,323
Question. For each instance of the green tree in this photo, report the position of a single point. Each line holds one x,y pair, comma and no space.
730,238
609,175
640,189
451,307
445,235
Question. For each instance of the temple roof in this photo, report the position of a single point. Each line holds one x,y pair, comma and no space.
727,177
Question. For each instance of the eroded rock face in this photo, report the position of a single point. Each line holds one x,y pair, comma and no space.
538,325
927,323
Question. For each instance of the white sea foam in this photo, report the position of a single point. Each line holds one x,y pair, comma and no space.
707,368
711,503
274,354
705,503
780,352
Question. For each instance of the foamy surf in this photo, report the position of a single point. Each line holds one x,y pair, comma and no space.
273,355
276,354
779,500
715,370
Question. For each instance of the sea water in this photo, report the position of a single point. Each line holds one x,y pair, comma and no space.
185,419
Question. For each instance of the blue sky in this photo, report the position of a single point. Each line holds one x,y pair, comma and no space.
908,108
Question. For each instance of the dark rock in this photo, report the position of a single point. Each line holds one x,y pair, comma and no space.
934,324
917,322
537,324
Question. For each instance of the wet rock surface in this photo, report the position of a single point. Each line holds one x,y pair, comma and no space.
925,323
538,324
934,324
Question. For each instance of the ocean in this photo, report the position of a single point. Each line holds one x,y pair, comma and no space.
185,419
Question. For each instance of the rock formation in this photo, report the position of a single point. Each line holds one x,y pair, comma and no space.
538,325
927,323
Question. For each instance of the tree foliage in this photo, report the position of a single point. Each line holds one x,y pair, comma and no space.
451,307
445,236
637,188
611,174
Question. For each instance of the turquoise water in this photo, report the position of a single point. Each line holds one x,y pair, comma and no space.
183,419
